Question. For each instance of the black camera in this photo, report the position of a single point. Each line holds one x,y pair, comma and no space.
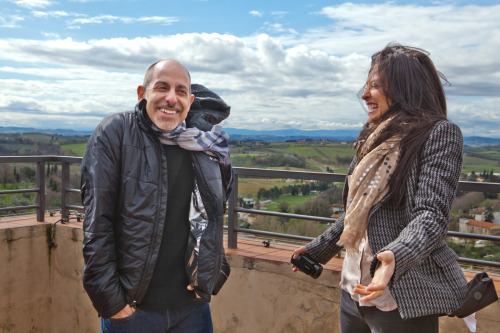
307,265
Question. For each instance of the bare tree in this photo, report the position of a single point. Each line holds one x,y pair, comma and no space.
467,201
6,175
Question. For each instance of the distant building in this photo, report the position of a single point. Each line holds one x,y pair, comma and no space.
478,227
248,202
261,206
478,213
335,216
496,219
251,218
338,208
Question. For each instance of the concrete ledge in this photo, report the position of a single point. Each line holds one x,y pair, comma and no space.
41,289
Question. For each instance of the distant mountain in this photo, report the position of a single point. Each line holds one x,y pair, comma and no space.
335,135
292,134
264,135
477,141
65,132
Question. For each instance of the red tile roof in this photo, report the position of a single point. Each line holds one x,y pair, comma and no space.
482,224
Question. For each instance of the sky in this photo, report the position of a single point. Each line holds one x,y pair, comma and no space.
278,63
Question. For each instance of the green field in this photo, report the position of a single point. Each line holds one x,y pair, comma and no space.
477,165
6,199
248,187
77,148
292,200
317,156
322,151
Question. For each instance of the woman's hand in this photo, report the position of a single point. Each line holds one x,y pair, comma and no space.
381,278
296,255
125,312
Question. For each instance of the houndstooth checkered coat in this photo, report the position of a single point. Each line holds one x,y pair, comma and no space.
427,279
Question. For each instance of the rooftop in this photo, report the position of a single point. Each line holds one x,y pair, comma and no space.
483,224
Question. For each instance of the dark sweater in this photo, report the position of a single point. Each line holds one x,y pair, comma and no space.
167,289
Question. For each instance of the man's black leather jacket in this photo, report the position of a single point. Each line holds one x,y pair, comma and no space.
124,191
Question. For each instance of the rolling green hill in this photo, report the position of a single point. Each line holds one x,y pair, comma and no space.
318,156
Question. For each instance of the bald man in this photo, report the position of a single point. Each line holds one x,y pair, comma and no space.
154,192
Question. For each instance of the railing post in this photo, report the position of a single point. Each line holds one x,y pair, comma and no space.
232,217
40,183
64,190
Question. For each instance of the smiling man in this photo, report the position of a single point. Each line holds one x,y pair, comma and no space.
154,191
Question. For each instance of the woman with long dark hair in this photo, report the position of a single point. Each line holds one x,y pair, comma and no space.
398,274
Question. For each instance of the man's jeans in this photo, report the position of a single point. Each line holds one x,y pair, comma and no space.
194,317
369,319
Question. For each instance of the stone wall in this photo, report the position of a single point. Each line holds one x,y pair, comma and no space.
41,291
40,288
25,296
71,310
268,297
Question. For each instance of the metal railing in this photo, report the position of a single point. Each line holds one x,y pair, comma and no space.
233,209
41,161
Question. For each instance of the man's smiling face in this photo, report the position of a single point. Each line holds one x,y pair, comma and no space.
168,95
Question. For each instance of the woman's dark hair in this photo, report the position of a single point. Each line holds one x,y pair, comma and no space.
414,88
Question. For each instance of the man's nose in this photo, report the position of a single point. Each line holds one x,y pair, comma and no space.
170,97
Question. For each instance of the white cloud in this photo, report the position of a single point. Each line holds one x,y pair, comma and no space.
440,29
276,28
10,21
109,19
307,80
256,13
30,4
279,14
50,35
56,14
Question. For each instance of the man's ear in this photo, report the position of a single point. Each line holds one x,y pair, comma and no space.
141,93
191,99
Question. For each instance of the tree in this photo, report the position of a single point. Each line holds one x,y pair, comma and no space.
28,173
473,176
488,214
6,173
305,189
262,193
284,207
488,195
53,185
316,207
321,186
